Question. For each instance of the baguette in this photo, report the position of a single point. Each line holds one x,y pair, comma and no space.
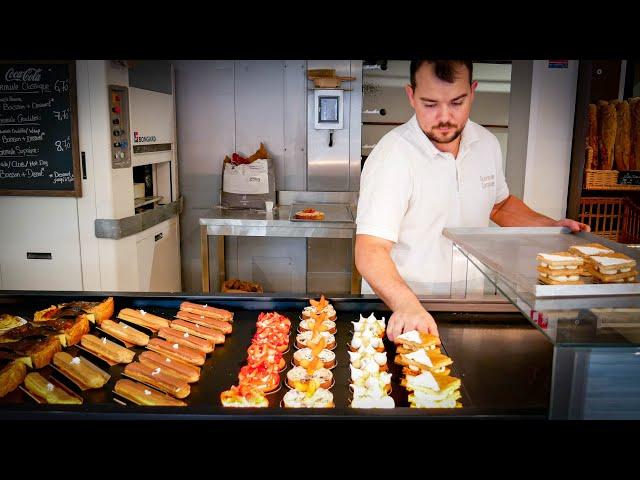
207,311
182,370
80,369
592,135
107,349
124,332
607,123
216,336
184,338
158,378
175,350
145,319
11,376
634,114
622,148
221,325
41,387
141,395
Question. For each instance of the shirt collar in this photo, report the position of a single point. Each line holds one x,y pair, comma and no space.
469,136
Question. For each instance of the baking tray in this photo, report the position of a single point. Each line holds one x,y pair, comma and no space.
511,253
222,366
333,212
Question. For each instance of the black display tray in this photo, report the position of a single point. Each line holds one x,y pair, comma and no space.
222,366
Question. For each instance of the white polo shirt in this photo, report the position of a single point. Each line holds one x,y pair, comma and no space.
410,191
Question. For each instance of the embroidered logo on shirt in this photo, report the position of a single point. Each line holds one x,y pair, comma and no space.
488,181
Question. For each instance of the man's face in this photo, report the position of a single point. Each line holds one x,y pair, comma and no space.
442,108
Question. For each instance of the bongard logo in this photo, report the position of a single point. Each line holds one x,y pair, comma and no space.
139,139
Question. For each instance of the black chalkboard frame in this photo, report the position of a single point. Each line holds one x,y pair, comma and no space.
75,145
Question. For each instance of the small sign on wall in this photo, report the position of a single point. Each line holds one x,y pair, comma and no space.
558,63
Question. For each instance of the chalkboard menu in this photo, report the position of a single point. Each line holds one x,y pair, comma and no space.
39,152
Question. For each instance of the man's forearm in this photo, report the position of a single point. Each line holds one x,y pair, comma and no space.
513,212
383,277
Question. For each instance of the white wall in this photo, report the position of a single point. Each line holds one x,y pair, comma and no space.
553,95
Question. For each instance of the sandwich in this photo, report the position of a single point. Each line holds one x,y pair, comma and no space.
559,268
613,268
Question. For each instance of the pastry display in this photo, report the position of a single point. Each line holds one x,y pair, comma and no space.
81,370
560,268
43,389
142,395
105,348
427,388
124,332
143,318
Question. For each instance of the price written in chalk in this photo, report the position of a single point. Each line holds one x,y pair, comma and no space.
61,86
61,114
64,144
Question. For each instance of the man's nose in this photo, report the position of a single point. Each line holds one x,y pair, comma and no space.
444,114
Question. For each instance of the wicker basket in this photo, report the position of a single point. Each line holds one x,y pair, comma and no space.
595,179
615,218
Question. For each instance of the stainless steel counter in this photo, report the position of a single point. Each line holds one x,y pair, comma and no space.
219,222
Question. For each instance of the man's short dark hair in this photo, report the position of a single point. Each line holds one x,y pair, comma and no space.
445,69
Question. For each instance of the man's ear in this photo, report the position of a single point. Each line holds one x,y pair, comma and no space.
474,85
409,90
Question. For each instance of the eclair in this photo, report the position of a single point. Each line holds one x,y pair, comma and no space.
184,338
175,350
158,378
124,332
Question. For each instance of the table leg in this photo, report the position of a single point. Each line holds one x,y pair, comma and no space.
221,267
355,275
204,258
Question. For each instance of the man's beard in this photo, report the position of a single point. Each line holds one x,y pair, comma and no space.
448,138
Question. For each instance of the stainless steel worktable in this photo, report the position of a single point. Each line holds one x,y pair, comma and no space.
221,222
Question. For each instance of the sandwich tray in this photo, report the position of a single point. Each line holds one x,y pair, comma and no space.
509,255
333,212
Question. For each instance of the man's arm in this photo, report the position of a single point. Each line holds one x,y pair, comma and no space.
513,212
373,261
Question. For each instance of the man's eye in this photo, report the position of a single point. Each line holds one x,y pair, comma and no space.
429,105
457,104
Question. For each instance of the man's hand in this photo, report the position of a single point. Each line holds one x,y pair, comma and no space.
411,319
573,225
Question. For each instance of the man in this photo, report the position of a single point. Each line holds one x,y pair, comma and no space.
438,170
